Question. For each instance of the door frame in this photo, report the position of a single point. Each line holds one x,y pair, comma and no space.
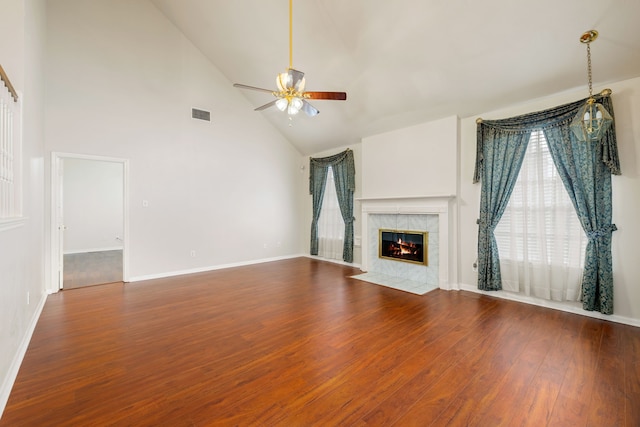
57,174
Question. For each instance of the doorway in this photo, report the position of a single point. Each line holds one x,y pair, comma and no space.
89,220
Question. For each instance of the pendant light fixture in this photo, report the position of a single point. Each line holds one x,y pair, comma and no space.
592,120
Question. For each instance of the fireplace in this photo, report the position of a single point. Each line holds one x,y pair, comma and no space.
406,246
426,214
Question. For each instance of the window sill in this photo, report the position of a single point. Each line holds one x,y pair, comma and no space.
9,223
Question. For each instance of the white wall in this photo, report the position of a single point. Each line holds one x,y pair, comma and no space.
12,43
93,205
121,83
22,291
415,161
626,194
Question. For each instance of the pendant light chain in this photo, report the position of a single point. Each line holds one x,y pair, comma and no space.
589,69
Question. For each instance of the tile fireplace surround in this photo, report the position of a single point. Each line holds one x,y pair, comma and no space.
420,213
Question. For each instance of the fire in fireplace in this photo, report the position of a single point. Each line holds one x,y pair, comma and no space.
408,246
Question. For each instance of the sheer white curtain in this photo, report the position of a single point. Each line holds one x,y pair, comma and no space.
330,223
540,239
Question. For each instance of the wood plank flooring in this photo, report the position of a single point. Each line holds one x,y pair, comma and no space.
298,343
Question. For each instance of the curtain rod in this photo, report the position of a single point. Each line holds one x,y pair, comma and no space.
7,83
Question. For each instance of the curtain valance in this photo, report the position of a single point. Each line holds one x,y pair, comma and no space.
489,130
324,162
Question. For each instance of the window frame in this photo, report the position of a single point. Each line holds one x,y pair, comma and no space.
504,237
11,161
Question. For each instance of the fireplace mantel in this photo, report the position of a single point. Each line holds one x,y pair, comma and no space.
414,205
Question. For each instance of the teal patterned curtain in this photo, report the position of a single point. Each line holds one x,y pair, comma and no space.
587,179
344,173
344,177
502,157
585,169
317,183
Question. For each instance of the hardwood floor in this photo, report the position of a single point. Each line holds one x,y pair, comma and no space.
298,343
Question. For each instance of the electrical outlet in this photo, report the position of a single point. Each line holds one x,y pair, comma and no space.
475,266
193,253
265,246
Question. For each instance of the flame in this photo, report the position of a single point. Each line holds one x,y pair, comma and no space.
405,248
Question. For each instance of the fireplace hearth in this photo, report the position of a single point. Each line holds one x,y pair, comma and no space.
406,246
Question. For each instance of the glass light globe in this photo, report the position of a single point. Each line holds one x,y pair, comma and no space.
297,103
281,104
591,122
294,106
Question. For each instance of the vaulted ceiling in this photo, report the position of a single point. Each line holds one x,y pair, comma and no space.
405,62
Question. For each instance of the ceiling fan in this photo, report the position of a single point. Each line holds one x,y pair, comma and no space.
291,96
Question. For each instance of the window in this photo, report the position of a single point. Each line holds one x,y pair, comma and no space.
540,239
10,157
330,223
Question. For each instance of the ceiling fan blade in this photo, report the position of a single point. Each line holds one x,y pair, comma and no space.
309,109
296,78
265,106
241,86
334,96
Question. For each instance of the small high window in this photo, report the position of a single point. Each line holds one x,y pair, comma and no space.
10,156
330,223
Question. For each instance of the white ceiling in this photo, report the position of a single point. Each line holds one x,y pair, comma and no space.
405,62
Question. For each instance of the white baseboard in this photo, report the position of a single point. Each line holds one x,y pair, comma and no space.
575,308
12,373
210,268
335,261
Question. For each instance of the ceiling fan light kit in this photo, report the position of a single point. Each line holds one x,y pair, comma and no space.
291,96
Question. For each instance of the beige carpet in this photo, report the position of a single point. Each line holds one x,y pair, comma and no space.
92,268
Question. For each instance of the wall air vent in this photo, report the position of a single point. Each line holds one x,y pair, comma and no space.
200,114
